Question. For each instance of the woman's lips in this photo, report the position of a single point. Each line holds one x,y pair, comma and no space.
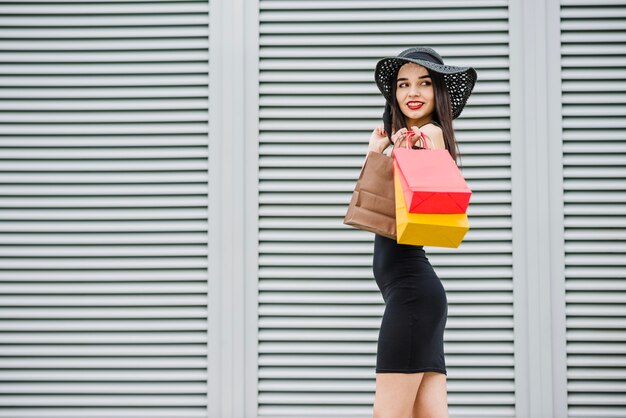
414,105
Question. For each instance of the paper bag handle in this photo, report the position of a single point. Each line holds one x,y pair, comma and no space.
424,137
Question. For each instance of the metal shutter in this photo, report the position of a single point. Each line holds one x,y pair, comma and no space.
103,212
319,307
593,41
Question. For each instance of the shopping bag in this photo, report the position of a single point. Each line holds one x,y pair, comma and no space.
372,206
436,230
431,181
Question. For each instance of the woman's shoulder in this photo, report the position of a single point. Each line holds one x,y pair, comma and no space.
434,131
432,122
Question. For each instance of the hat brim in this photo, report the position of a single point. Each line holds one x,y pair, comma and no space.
459,81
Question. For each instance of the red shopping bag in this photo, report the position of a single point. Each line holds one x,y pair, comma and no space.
430,229
431,181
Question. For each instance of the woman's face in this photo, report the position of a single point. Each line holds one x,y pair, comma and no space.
415,94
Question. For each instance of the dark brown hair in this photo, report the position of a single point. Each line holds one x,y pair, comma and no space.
442,113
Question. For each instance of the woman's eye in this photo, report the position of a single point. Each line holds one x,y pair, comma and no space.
424,83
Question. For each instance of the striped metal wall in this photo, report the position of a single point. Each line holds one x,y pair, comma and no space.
593,38
104,205
319,307
103,209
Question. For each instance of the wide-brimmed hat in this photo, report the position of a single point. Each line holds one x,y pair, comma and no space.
459,81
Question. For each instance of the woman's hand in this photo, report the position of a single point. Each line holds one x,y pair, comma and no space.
399,138
414,136
378,140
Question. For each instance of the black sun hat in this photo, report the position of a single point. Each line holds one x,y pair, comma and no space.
459,81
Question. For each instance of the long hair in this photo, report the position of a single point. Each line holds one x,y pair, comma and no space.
442,113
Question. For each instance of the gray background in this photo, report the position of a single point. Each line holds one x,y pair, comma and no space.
174,177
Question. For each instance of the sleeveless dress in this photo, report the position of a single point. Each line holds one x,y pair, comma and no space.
410,339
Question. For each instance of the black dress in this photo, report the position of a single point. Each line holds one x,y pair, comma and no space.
416,309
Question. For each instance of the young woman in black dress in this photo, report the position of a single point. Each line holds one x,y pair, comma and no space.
423,95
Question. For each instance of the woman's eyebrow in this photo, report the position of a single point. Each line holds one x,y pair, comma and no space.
420,77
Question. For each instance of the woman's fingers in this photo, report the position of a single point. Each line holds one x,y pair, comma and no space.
398,136
380,131
415,138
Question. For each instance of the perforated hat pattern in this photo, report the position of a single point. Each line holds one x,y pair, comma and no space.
459,81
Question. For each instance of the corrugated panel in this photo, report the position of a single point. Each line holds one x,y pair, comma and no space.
103,209
320,309
593,38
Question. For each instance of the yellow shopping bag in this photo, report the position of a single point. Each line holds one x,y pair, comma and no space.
435,230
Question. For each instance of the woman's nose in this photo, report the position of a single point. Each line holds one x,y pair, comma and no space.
414,92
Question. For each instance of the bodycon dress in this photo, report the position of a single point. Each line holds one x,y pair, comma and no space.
410,339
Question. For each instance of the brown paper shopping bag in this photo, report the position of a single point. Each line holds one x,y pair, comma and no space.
372,207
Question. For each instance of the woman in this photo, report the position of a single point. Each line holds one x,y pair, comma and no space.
423,96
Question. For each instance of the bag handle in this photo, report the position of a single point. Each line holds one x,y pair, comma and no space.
410,133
